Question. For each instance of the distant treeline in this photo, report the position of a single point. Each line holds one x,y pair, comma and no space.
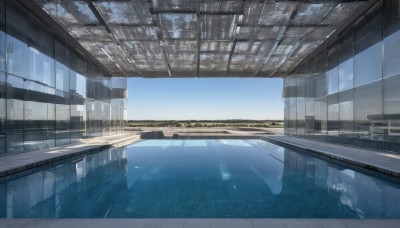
202,121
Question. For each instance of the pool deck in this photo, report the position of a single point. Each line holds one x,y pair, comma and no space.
15,163
380,161
200,223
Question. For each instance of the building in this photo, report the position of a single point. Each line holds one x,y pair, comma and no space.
64,64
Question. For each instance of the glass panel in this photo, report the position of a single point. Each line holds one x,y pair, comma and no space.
391,107
62,118
38,128
17,39
309,118
41,48
301,106
368,50
98,118
333,73
333,117
114,117
79,85
2,113
90,118
15,114
106,119
62,71
346,116
346,61
78,116
391,40
321,116
368,123
320,80
2,36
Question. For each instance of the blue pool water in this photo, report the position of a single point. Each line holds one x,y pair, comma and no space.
199,178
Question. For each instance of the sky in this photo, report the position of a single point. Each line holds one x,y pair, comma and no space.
204,98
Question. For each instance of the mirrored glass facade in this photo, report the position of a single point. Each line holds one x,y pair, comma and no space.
348,92
50,93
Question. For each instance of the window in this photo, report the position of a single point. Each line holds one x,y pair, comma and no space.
391,39
333,117
346,61
368,50
78,117
15,114
62,118
368,122
346,116
321,118
320,80
2,36
2,113
300,104
391,111
38,116
41,46
333,73
62,71
17,39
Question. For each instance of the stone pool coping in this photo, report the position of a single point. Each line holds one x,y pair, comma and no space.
201,223
17,163
379,161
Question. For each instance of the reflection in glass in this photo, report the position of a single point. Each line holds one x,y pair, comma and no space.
321,118
346,61
17,39
391,47
38,120
333,117
41,53
368,50
368,122
33,115
333,73
346,116
360,55
391,113
2,36
3,113
62,118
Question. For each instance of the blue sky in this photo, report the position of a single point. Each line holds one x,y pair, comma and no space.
204,98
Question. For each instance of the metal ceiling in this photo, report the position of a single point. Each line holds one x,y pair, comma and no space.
200,38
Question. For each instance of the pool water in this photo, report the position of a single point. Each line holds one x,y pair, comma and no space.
200,179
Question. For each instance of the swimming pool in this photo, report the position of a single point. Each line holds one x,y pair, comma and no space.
200,179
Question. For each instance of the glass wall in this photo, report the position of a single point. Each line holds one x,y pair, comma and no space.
50,94
352,86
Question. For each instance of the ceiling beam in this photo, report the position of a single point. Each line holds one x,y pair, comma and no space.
234,38
102,22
